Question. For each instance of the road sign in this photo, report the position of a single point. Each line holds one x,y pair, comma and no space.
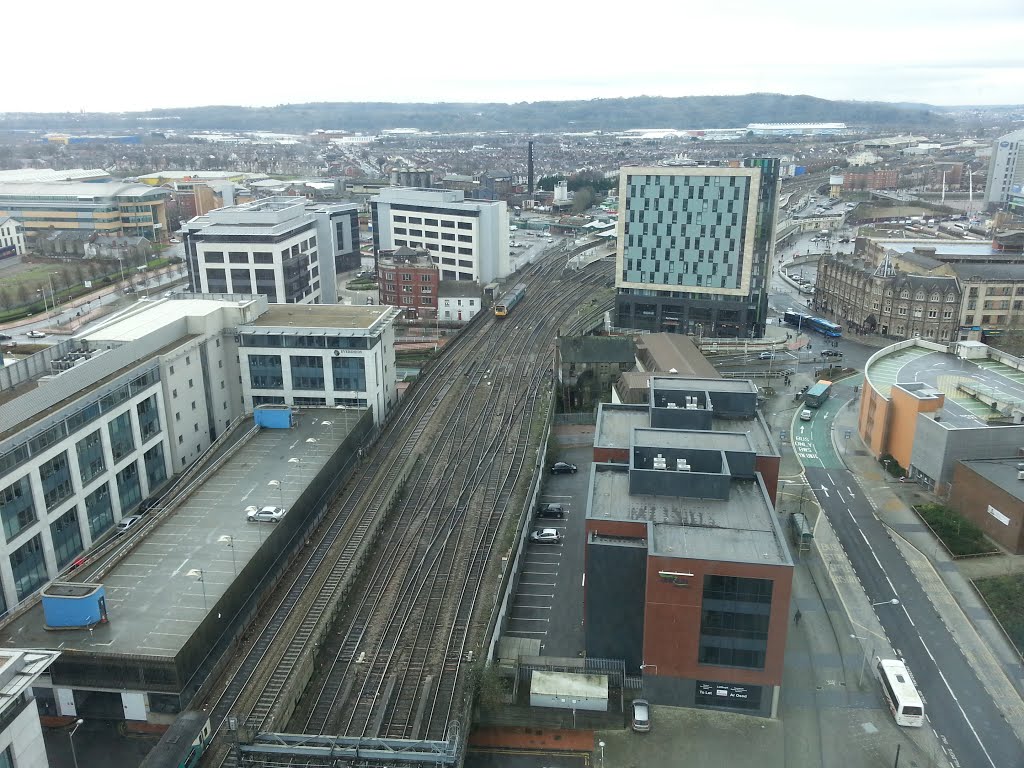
782,435
847,434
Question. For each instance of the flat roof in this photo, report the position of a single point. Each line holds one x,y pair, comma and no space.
703,384
323,316
948,247
1001,473
153,603
653,437
144,318
944,372
741,528
616,422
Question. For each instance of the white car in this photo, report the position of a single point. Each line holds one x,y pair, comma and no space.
264,514
36,335
546,536
127,523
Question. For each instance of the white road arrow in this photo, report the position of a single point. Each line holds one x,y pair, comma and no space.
825,491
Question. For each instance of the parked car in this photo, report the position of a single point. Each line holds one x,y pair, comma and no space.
36,335
806,415
551,511
127,522
264,514
766,356
563,468
831,353
641,715
546,536
4,337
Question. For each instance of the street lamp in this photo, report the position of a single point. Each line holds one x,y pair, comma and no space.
42,292
864,661
280,490
601,745
53,296
197,573
230,541
894,601
71,740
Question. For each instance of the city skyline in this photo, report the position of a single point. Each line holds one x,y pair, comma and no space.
884,52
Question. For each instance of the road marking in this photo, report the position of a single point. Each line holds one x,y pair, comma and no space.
534,594
868,545
825,491
829,476
850,490
955,699
839,494
176,570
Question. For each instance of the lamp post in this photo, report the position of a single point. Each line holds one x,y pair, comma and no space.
120,263
601,745
42,292
864,661
53,296
280,490
197,573
71,740
230,541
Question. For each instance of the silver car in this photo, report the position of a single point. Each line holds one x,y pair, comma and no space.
264,514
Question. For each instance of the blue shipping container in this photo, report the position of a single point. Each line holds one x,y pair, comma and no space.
69,605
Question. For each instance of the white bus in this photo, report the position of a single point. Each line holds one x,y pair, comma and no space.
901,693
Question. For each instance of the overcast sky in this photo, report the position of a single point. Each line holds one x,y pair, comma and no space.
115,55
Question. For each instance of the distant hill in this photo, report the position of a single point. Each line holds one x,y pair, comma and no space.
545,116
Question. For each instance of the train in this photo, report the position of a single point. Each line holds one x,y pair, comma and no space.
183,744
506,303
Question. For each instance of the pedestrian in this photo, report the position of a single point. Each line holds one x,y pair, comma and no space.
796,617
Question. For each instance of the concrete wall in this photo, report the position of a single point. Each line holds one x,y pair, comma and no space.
938,449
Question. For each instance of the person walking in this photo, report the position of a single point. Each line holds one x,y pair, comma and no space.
796,617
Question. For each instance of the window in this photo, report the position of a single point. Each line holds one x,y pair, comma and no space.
16,507
735,613
265,372
349,373
66,537
156,472
128,489
55,475
122,441
307,372
29,567
99,511
90,457
149,418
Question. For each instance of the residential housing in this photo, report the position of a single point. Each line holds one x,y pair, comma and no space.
467,239
408,279
1006,168
12,237
694,245
459,300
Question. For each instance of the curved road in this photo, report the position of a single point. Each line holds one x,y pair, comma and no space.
967,723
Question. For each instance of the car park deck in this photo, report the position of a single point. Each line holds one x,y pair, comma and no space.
181,564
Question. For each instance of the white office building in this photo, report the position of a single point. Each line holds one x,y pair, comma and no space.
467,239
21,736
12,237
1006,169
94,427
284,248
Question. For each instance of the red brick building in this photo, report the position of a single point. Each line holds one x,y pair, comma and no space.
688,574
410,280
870,178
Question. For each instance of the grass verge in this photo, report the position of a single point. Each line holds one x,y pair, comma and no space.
1005,596
960,535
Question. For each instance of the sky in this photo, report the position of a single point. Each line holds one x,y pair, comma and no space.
115,55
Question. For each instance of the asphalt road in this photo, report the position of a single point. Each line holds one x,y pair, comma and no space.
958,708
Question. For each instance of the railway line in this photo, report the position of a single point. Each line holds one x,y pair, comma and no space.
394,663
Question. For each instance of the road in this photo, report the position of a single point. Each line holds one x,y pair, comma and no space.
958,707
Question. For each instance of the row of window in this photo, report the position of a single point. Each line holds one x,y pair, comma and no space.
447,223
307,372
425,277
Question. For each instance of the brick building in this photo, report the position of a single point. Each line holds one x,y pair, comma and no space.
869,178
990,493
688,576
409,279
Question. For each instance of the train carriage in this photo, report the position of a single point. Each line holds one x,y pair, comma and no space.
509,300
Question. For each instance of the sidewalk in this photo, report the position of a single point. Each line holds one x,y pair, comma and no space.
944,580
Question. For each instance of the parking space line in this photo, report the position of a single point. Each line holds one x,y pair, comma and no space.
533,594
525,632
541,573
525,618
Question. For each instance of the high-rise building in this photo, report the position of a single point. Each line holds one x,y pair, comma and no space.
695,246
285,248
1006,168
467,239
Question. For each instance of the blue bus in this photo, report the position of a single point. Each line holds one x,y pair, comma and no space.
811,323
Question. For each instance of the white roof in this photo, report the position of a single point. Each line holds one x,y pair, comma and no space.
48,174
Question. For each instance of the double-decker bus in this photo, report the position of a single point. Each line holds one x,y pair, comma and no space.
901,693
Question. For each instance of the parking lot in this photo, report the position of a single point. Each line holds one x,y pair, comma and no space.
548,604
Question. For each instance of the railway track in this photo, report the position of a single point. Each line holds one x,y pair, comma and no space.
438,543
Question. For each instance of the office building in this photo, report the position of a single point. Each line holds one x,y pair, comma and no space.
21,736
1005,169
284,248
104,207
694,248
467,239
94,427
12,237
688,576
928,406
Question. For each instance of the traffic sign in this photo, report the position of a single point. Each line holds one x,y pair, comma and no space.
847,434
782,435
